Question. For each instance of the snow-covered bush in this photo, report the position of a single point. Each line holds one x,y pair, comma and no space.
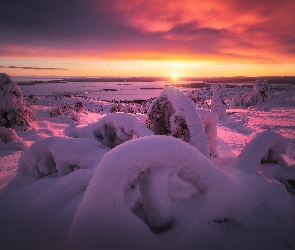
104,221
260,89
68,110
237,100
218,105
129,107
112,129
56,156
258,97
263,153
13,111
201,97
173,114
8,135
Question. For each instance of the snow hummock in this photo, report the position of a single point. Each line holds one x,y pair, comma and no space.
262,147
263,153
173,114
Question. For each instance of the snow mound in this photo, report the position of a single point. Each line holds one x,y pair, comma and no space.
173,114
262,147
56,156
112,129
104,221
263,153
13,111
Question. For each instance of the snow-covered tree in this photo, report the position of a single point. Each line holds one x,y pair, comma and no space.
237,100
173,114
260,90
13,111
218,103
258,97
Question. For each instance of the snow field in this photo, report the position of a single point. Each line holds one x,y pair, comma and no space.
116,185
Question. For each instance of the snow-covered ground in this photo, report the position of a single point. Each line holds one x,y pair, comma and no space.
83,178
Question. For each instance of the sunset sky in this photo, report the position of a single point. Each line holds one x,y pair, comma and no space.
147,38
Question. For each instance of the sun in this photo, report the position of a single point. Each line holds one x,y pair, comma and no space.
174,76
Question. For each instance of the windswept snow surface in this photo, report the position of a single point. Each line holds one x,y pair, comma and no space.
148,191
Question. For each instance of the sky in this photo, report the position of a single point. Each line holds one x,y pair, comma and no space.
147,38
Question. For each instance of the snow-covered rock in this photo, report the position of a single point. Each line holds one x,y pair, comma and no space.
173,114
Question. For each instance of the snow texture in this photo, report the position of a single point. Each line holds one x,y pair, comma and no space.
56,156
173,114
112,129
13,111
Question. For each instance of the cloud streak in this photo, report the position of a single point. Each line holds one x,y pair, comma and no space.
31,68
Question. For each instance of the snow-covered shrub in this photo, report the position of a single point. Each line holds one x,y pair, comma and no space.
112,129
13,111
104,221
56,156
201,97
32,100
237,100
258,97
263,152
218,105
173,114
260,89
210,120
128,107
78,106
8,135
68,110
